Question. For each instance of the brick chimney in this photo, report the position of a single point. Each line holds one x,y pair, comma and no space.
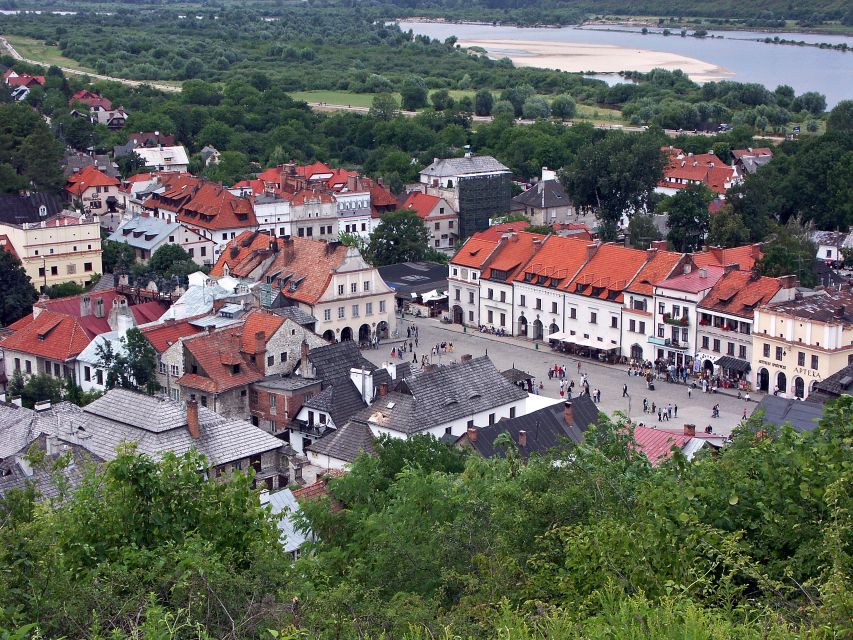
755,251
789,282
690,430
472,434
383,389
260,342
466,357
210,328
522,439
568,414
591,250
192,419
659,245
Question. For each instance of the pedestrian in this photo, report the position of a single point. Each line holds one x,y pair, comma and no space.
645,405
451,347
653,407
659,414
689,393
408,332
598,393
550,374
744,413
675,410
410,346
393,353
414,358
541,387
579,366
669,410
624,390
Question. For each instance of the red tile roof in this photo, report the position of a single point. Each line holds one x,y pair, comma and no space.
657,444
163,336
421,203
49,335
86,178
740,292
257,187
658,268
750,153
24,80
70,306
496,231
700,167
311,195
7,246
512,253
556,263
91,99
694,281
475,252
744,256
259,321
606,275
211,206
221,364
340,178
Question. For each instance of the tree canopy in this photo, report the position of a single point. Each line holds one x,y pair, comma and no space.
400,237
19,294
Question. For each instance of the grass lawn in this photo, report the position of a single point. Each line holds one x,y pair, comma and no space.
43,53
336,97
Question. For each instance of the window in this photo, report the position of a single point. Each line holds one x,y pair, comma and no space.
614,322
491,418
660,331
366,286
632,325
470,316
355,311
341,312
730,349
455,271
368,308
706,341
54,271
553,307
437,226
490,317
327,314
801,359
503,319
458,293
490,294
224,236
778,353
470,297
272,403
573,313
99,377
716,347
381,306
642,327
270,361
204,401
742,352
661,308
41,272
87,267
766,350
593,317
17,364
71,269
28,366
539,304
449,222
684,336
87,373
353,287
522,301
503,297
174,370
191,252
512,412
814,362
676,311
470,424
340,289
162,367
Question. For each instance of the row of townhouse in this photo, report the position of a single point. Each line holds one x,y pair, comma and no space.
698,311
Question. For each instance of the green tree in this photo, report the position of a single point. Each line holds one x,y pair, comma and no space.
503,108
169,260
132,366
400,237
18,291
232,167
74,394
727,229
42,387
789,250
564,107
687,216
413,94
840,119
441,100
116,256
517,96
615,176
642,231
64,289
130,164
535,107
40,155
483,102
384,107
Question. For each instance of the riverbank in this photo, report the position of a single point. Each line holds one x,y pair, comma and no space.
600,58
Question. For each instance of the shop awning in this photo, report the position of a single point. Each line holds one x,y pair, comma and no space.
562,336
733,364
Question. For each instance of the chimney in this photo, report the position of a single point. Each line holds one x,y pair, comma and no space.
755,251
522,439
690,430
303,359
659,245
210,329
383,389
85,306
192,419
591,250
466,357
472,434
703,273
260,342
568,414
839,312
351,183
789,282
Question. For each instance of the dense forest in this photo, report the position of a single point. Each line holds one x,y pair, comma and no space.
752,542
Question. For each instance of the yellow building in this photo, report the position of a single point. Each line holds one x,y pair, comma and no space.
60,249
798,343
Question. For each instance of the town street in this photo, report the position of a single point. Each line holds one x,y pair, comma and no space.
509,352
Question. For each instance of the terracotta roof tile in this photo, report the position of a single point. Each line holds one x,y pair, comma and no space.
496,231
421,203
88,177
474,252
694,281
257,321
700,167
657,444
49,335
744,256
221,362
740,292
512,253
556,263
163,336
655,270
607,274
213,207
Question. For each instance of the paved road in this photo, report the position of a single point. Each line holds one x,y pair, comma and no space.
509,352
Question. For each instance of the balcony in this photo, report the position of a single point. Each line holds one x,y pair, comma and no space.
683,321
668,343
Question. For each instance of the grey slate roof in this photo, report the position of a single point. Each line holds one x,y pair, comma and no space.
441,396
516,375
839,383
334,361
157,425
545,194
345,443
283,504
340,400
15,209
451,167
802,416
277,383
300,317
144,233
75,162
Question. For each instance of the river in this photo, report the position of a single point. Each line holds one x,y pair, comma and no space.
737,52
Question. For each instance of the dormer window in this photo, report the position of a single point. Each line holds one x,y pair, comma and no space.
235,369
